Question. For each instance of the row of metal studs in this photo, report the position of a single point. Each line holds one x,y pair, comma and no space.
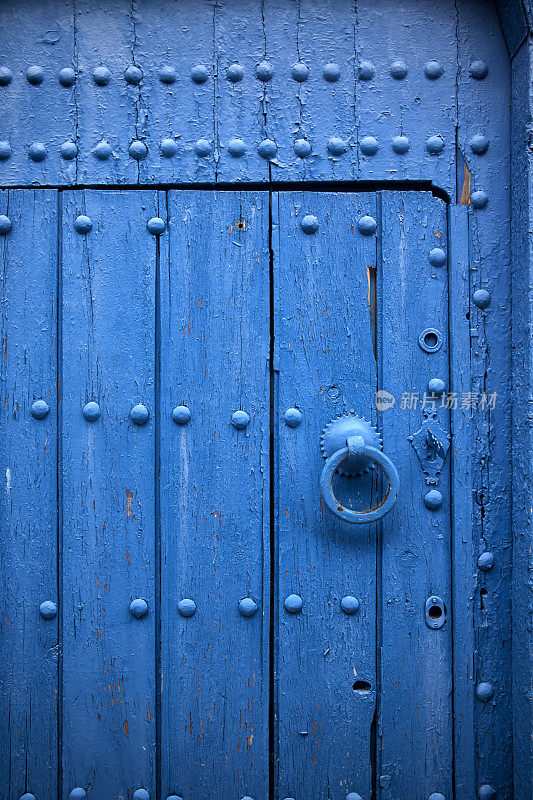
236,147
264,72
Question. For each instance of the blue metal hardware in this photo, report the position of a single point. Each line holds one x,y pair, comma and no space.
354,458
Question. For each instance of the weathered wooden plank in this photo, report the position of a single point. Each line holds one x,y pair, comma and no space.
397,104
28,516
37,113
415,721
484,142
215,496
462,502
522,282
108,335
176,53
325,337
242,99
110,115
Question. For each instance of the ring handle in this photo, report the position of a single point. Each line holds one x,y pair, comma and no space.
332,465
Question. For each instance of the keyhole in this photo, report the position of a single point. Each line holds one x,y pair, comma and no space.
430,339
435,612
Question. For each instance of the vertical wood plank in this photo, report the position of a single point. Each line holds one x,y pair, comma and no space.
416,661
108,334
215,497
325,337
462,511
28,516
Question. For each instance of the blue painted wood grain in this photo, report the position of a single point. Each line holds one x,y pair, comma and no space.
416,661
462,502
108,502
215,495
28,513
490,343
326,365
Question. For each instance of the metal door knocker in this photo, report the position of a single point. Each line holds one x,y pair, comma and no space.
348,444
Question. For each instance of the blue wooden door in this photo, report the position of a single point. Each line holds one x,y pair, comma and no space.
182,613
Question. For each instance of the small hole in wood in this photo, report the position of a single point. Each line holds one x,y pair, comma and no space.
435,612
430,339
362,686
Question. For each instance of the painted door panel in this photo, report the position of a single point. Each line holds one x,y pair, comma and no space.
173,540
215,495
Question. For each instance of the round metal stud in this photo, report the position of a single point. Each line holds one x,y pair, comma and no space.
369,145
102,151
367,225
478,70
66,77
293,603
353,796
91,411
174,797
292,417
436,386
247,607
37,152
83,223
5,151
435,145
433,70
181,415
168,148
186,607
139,608
141,794
40,409
349,604
155,226
69,150
27,796
337,146
48,609
133,75
6,76
485,691
486,792
481,298
436,796
264,71
267,149
430,340
302,148
235,73
366,71
433,499
138,150
139,414
479,144
167,75
479,199
485,561
398,70
400,145
77,794
331,72
5,224
309,224
199,74
101,76
35,75
437,257
202,148
236,148
240,419
300,72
